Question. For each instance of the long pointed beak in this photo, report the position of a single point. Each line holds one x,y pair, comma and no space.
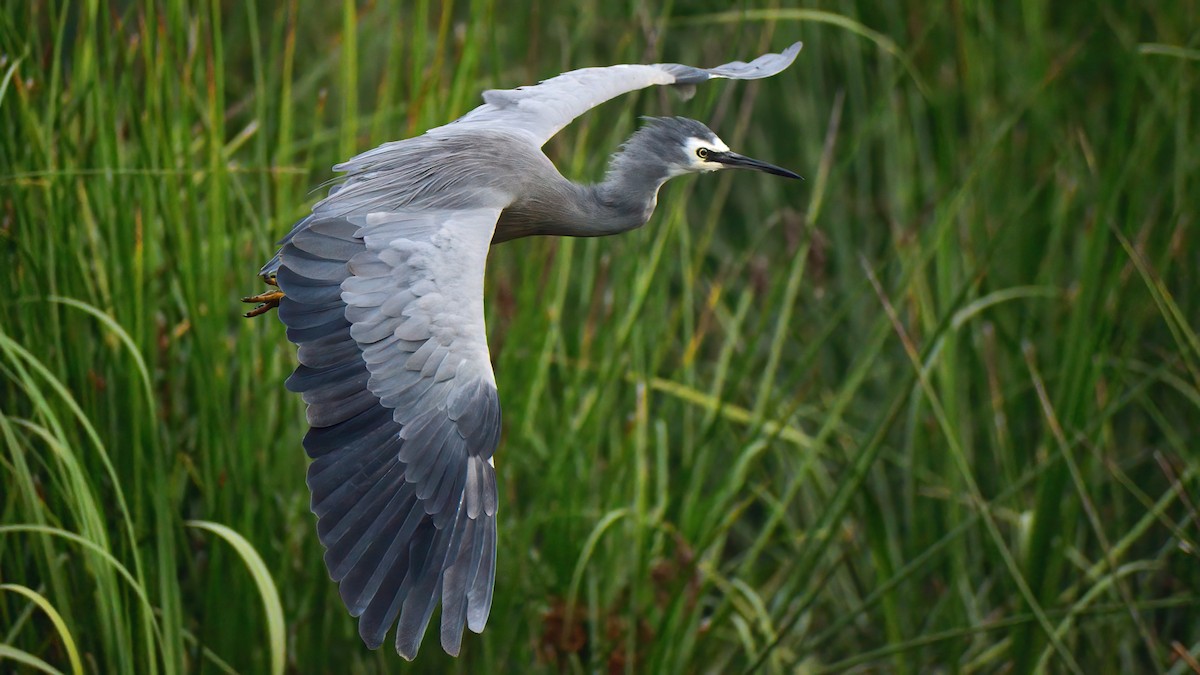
736,161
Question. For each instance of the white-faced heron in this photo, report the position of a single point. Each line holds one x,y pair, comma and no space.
381,288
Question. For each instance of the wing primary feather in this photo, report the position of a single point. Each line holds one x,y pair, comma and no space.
345,526
454,589
383,605
473,491
330,475
395,548
479,596
363,554
450,497
424,596
449,458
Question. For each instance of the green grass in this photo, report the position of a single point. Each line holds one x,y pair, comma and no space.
933,409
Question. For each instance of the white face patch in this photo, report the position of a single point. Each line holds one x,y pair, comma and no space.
693,146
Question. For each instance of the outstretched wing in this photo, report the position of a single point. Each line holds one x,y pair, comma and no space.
544,109
387,310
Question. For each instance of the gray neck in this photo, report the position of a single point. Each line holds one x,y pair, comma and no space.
623,201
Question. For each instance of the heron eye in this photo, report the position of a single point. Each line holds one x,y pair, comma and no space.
702,153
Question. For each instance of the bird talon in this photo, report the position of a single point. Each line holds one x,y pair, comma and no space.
267,300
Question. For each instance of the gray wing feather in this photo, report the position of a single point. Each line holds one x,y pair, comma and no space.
542,110
387,310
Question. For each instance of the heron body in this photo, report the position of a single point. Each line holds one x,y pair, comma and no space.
381,289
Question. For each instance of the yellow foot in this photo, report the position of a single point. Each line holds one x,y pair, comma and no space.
267,301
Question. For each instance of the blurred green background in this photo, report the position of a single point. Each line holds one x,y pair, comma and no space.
934,409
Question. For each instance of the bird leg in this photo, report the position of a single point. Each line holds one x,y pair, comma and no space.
267,300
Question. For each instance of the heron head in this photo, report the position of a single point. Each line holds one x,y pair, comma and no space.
690,147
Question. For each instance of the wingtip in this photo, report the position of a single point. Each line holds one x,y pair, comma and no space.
452,643
372,642
792,52
477,625
407,646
